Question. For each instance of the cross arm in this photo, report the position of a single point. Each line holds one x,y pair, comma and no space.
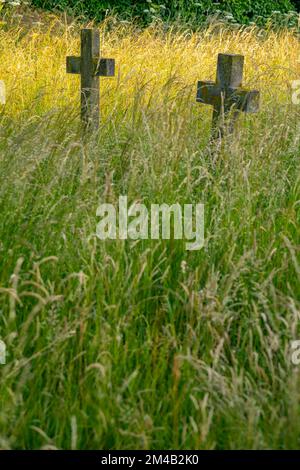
208,92
246,101
102,67
74,65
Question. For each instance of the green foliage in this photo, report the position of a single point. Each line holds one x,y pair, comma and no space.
243,11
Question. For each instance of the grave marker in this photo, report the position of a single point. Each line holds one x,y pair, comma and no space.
90,66
226,95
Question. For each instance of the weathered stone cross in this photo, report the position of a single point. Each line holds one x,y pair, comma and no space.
90,66
226,94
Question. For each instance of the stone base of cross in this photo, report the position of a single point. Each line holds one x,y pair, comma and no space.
226,95
90,66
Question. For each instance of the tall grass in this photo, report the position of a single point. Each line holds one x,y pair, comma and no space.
142,345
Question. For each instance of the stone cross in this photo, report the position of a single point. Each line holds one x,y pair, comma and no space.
2,93
226,94
90,66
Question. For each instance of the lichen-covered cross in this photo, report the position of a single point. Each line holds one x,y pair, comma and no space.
226,95
90,66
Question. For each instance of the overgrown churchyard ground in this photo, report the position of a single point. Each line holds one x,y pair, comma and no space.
143,344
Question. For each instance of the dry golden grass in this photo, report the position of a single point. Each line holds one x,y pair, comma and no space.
33,63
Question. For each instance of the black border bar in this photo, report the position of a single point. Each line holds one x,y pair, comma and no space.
136,459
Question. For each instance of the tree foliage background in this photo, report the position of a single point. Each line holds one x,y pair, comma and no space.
243,11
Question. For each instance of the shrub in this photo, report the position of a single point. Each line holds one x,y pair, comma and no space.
243,11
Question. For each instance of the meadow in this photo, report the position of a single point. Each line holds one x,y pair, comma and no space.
141,344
